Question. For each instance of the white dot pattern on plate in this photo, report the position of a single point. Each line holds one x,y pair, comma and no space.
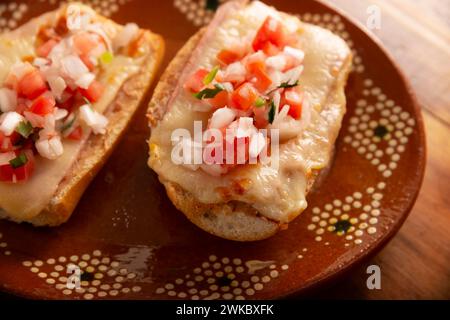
379,130
11,14
199,12
4,246
225,278
103,7
351,217
101,277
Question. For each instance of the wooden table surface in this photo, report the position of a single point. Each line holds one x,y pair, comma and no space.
416,263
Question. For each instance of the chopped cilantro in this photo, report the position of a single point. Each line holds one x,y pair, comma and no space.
209,93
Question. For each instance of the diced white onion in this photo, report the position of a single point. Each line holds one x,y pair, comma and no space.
126,35
50,148
9,122
292,75
255,57
8,100
257,144
60,113
275,77
287,126
292,95
222,117
277,62
48,130
245,127
74,67
59,51
40,62
85,80
235,72
6,157
298,54
228,86
93,119
57,86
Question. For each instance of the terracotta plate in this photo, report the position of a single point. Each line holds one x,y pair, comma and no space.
131,243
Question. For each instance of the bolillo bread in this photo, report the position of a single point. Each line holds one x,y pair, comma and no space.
97,148
236,217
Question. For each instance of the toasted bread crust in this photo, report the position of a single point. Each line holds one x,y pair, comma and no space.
98,148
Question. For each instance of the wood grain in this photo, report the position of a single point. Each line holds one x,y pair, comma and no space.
415,265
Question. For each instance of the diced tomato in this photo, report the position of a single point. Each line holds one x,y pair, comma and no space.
258,70
270,49
272,31
67,101
87,62
219,101
6,144
43,105
76,134
227,57
84,43
260,116
294,99
32,85
23,173
6,173
45,49
94,92
244,97
195,82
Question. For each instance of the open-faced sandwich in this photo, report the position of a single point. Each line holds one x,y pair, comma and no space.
252,80
70,81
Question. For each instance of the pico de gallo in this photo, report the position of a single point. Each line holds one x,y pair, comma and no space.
253,86
48,98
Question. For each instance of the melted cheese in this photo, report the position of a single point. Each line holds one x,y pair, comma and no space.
23,201
276,194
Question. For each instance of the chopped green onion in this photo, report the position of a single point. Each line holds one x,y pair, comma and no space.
284,85
19,161
272,112
86,100
210,76
260,102
209,93
24,128
288,85
107,57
